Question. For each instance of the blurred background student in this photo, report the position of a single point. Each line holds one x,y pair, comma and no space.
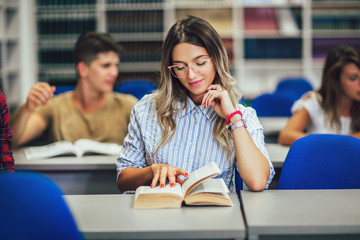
91,111
6,156
335,107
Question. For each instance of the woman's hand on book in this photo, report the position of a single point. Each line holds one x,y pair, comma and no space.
162,172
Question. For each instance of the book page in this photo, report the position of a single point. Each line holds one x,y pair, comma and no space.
167,189
210,186
50,150
198,175
90,146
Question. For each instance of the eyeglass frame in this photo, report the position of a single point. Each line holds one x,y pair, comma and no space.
187,67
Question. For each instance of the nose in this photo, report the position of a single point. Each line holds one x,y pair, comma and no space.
191,72
114,71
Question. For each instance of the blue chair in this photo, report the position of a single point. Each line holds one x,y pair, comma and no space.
32,207
322,161
137,88
238,183
272,105
62,89
293,88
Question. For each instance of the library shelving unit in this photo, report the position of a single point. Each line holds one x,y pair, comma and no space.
139,28
267,40
136,25
59,23
17,68
333,23
9,49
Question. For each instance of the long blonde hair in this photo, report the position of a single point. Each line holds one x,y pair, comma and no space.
196,31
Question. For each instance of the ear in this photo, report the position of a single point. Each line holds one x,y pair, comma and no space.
82,69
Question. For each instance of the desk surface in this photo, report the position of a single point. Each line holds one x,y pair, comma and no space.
94,162
279,212
277,153
273,124
113,216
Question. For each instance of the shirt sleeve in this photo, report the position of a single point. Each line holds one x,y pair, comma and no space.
133,153
256,132
6,158
306,101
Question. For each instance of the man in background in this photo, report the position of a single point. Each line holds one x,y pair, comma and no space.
91,111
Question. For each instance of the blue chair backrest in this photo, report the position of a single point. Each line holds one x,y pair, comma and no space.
238,183
322,161
62,89
272,105
137,88
293,87
32,207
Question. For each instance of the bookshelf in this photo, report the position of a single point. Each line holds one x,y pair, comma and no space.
267,40
16,62
59,23
333,23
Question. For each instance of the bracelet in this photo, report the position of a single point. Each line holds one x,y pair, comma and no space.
232,126
231,115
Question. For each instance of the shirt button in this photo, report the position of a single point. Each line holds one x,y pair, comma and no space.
195,122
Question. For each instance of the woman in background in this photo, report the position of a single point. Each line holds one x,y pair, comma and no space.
194,118
335,107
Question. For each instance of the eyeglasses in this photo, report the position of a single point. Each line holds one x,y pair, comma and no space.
181,70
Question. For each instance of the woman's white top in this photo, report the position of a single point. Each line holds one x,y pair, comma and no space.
319,121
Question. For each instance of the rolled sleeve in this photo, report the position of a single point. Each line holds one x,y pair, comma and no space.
133,153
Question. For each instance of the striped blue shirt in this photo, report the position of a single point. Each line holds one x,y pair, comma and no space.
192,145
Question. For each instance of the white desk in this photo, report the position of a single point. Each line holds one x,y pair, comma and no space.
277,153
113,217
86,175
273,124
304,214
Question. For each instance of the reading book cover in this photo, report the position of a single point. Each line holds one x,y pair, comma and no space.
198,189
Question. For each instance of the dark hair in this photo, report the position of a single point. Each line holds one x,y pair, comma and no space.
331,90
90,44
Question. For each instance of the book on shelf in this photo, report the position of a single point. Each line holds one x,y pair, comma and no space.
260,21
198,189
287,23
79,148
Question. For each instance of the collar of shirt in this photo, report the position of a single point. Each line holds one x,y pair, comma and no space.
209,112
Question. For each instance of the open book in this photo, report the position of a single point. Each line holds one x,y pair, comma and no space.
78,149
198,189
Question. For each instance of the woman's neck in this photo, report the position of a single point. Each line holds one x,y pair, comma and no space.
345,106
89,101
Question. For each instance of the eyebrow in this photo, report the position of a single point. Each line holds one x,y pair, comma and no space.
196,58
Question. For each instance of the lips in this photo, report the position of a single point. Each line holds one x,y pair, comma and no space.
110,82
195,83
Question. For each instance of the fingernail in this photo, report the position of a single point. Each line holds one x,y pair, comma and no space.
172,184
186,174
162,185
151,186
